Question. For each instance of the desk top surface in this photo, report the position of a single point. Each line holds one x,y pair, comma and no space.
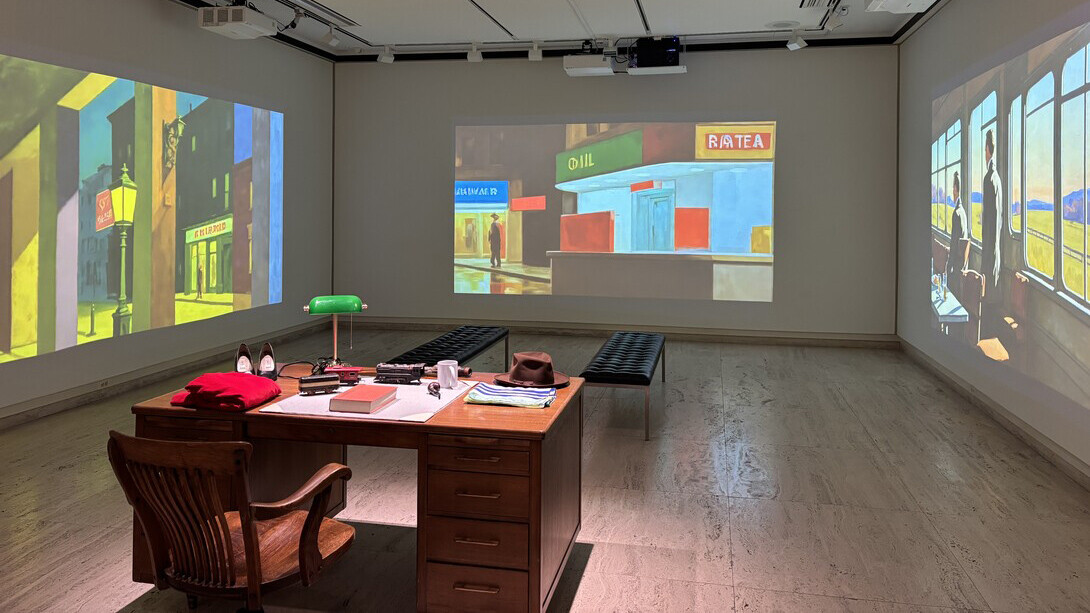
456,418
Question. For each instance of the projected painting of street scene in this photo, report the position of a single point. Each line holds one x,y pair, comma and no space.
624,210
126,206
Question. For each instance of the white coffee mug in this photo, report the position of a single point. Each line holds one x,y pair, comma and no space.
447,373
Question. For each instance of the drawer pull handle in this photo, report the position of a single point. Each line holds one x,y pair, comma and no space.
492,459
469,541
477,441
476,589
468,495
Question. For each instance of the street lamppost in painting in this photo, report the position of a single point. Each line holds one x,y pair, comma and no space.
123,198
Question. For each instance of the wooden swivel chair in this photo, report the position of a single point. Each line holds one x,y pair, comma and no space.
181,492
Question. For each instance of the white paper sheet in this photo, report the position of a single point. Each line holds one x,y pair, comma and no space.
413,403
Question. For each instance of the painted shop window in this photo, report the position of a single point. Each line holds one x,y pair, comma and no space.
1040,215
982,120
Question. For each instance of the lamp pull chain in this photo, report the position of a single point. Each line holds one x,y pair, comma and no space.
351,338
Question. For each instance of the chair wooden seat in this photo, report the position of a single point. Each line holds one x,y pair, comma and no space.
278,544
204,534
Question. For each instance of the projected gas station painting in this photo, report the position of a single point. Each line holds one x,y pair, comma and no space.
649,210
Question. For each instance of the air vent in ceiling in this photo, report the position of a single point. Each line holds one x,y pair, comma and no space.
818,4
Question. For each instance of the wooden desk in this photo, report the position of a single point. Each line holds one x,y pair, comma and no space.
498,494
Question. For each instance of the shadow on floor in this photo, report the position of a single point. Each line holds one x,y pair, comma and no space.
377,574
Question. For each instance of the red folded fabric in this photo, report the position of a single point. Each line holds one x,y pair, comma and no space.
227,391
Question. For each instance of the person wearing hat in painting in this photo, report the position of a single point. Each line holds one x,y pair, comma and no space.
494,241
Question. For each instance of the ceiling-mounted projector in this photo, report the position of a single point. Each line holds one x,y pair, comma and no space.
899,6
656,56
588,65
238,22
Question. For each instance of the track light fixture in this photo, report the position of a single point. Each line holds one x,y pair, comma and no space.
474,55
796,42
330,38
387,55
535,53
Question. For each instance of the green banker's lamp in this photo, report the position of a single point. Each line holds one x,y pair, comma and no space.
334,305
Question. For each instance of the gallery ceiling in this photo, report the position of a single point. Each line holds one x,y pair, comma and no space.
364,27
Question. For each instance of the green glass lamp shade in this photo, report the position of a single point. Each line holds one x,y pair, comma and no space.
331,305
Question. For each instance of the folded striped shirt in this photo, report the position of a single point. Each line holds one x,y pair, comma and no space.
525,397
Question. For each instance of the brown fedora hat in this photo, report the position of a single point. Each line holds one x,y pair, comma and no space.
532,369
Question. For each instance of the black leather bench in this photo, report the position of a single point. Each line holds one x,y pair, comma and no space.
629,359
461,344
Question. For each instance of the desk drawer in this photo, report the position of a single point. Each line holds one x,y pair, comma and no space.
183,429
479,460
468,588
479,441
478,494
483,543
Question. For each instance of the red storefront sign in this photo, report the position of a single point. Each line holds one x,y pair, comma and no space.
104,210
528,203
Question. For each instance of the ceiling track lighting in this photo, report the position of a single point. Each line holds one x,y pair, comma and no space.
387,55
475,55
330,38
534,54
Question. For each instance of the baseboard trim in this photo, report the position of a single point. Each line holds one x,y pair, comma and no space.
717,335
1049,449
36,408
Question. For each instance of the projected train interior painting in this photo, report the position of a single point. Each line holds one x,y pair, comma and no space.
625,210
1010,168
126,206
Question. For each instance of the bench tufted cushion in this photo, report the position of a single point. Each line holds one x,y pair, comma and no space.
627,358
461,344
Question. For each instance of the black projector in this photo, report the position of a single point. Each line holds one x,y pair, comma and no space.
656,52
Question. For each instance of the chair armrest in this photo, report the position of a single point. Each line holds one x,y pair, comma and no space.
321,481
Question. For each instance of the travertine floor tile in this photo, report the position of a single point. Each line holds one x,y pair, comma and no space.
885,555
1022,564
815,474
764,601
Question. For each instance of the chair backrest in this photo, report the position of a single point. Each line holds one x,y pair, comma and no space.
1019,289
177,490
939,254
971,296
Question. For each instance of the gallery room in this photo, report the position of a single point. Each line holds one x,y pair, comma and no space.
545,305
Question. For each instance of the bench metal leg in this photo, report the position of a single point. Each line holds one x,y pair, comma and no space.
647,413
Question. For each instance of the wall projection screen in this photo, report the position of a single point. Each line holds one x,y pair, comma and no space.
126,206
1010,252
621,210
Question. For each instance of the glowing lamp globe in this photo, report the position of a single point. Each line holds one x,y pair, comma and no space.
123,197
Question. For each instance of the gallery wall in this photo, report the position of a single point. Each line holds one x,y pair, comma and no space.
159,43
1031,360
835,182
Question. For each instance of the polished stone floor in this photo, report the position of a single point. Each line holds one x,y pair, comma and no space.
777,479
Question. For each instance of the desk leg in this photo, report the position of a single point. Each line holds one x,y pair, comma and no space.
421,525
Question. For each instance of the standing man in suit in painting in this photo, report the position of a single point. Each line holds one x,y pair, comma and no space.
494,240
991,219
